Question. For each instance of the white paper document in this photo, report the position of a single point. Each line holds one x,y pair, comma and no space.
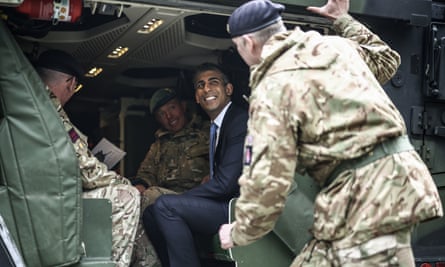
108,153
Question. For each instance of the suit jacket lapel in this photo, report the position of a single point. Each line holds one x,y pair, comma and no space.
227,118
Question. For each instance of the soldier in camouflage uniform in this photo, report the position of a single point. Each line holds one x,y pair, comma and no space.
60,72
178,159
318,107
176,162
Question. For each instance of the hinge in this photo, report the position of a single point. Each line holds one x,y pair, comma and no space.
428,122
425,151
419,120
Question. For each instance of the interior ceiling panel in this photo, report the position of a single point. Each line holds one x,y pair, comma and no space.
96,46
177,43
162,45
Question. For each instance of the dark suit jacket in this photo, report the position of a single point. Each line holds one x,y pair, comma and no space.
228,157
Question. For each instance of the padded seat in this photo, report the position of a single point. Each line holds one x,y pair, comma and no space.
291,232
40,185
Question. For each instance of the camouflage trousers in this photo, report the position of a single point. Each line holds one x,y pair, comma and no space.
144,254
125,208
388,250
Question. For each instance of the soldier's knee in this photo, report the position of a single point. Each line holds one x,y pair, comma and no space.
125,195
134,192
131,191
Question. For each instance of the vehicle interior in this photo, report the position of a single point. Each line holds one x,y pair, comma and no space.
129,49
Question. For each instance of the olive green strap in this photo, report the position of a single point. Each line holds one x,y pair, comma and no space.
387,147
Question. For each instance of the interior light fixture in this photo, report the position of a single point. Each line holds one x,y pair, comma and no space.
93,72
118,52
150,26
78,87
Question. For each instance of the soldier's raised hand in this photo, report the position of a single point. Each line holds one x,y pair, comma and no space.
332,10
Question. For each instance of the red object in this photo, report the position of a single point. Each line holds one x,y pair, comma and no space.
55,10
437,264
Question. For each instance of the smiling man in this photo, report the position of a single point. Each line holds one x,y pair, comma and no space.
177,161
173,220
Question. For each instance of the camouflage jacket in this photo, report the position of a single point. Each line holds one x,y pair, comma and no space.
94,173
316,101
177,161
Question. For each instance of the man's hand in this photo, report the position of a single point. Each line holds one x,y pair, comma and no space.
225,236
332,10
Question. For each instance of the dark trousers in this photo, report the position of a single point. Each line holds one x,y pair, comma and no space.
173,220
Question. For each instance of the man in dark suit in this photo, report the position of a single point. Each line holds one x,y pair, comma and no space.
173,220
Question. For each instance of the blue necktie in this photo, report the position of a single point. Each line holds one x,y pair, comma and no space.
212,146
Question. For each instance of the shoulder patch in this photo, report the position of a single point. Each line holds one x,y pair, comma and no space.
248,150
73,135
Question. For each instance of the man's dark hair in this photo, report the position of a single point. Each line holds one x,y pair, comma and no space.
213,67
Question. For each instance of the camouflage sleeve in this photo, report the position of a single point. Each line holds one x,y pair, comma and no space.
380,58
269,165
94,173
149,167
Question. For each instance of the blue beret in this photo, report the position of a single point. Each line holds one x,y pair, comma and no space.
253,16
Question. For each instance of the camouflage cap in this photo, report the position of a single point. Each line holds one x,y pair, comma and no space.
253,16
61,61
160,97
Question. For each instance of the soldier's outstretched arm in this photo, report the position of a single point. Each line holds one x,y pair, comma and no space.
381,59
